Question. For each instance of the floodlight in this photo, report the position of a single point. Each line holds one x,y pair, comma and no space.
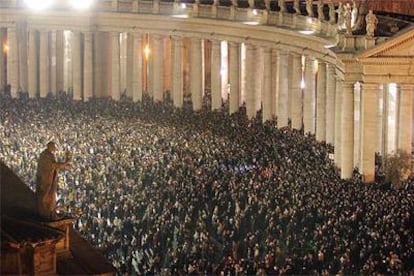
38,4
81,4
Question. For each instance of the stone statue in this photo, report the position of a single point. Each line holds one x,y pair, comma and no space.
47,181
348,19
332,17
296,6
309,8
341,19
354,13
267,4
282,5
234,3
216,2
321,15
372,22
251,4
362,12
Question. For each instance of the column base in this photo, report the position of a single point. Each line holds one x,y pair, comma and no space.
369,178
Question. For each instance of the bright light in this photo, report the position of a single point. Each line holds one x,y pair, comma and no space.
329,46
254,12
302,84
5,48
147,51
38,4
81,4
307,32
180,15
253,23
183,5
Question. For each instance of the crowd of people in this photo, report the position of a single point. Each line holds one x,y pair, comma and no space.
171,191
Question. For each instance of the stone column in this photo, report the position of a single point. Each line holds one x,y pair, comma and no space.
129,64
177,70
309,96
136,67
196,73
330,104
44,72
347,130
338,122
405,118
250,81
321,103
13,62
115,65
380,120
234,67
76,66
283,115
296,92
267,85
88,66
22,42
216,100
32,80
2,62
158,74
368,130
385,96
52,45
258,77
60,56
275,81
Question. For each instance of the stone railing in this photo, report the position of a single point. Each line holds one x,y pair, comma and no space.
200,9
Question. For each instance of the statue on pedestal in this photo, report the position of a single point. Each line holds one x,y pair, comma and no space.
296,6
341,19
309,7
282,5
348,19
372,22
321,15
47,180
332,17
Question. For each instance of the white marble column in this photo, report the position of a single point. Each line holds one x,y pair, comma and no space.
296,92
234,68
338,122
158,74
309,96
115,66
177,70
250,81
44,72
368,130
3,76
129,64
321,103
330,103
136,67
60,56
88,66
283,115
196,73
347,130
76,66
405,117
215,75
267,85
32,80
13,62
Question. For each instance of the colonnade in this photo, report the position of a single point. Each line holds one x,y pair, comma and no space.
287,85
